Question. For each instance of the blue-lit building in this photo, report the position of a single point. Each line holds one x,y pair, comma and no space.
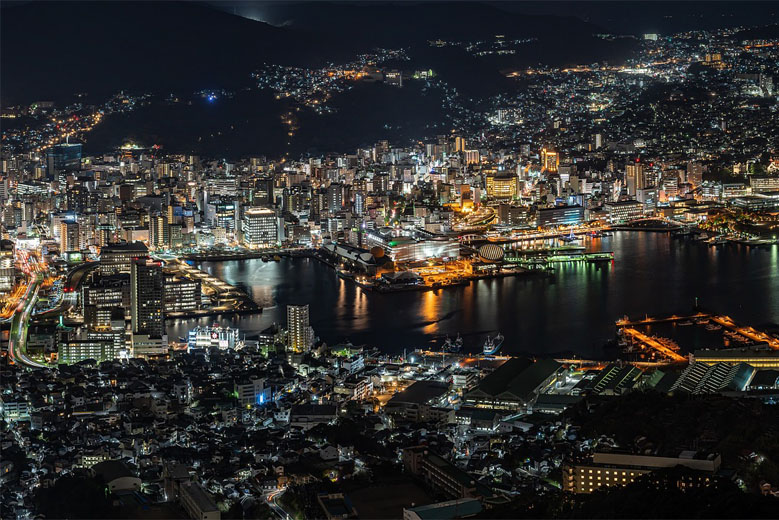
560,216
63,157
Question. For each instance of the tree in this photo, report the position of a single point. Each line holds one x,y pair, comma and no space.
74,497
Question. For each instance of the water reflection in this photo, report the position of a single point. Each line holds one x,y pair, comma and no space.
571,312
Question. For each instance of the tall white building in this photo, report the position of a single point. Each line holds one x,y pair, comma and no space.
260,228
299,333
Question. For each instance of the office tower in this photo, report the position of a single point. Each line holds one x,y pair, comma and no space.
63,157
181,294
118,258
550,160
459,144
634,177
70,236
159,231
298,329
147,289
694,173
335,197
260,228
471,156
263,192
359,203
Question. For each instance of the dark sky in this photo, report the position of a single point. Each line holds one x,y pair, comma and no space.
629,17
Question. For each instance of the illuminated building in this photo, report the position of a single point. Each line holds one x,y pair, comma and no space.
764,184
103,296
7,272
260,228
620,469
502,185
207,337
146,285
471,156
252,392
550,160
623,211
515,384
335,197
222,214
634,178
70,236
513,215
405,248
63,157
75,351
159,231
117,258
394,78
695,173
182,294
560,216
299,333
759,356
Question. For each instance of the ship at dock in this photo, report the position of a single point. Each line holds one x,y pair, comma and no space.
492,345
453,346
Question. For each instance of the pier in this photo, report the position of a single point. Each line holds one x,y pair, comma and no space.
229,298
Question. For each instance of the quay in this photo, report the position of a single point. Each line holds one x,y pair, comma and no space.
228,298
265,254
628,329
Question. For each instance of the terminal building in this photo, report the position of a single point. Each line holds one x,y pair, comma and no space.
515,385
414,247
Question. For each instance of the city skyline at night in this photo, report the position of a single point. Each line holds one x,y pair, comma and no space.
412,259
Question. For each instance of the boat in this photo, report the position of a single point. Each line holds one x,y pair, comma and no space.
713,326
685,323
453,346
492,345
569,238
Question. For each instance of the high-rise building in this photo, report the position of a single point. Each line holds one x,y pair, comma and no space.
695,173
70,236
335,197
118,258
159,231
260,228
181,294
299,336
634,177
63,157
147,292
550,160
263,191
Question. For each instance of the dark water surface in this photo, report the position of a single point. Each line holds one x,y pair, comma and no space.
572,312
